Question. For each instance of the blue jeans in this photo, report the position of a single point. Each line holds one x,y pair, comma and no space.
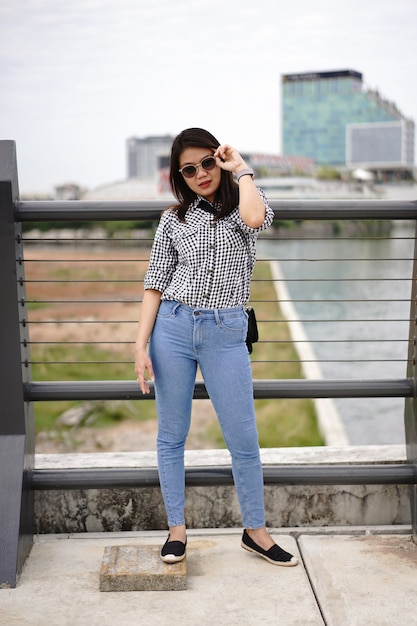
214,339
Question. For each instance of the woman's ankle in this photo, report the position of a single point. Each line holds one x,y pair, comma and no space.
178,533
261,536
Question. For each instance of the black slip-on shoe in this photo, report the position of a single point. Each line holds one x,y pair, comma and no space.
173,551
275,555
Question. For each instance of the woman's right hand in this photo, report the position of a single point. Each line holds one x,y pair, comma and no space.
143,364
143,369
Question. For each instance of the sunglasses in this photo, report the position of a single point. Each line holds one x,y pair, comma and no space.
189,171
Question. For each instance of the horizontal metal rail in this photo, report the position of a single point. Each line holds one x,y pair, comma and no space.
263,389
138,300
332,474
69,211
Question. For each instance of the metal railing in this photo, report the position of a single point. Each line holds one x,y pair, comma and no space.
19,391
60,293
94,273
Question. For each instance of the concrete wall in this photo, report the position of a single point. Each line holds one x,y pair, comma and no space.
107,510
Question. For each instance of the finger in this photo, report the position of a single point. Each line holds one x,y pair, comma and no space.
151,375
221,151
143,385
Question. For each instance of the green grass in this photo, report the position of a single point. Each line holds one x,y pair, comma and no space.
281,422
87,363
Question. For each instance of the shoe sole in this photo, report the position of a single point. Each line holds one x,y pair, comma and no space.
291,563
171,558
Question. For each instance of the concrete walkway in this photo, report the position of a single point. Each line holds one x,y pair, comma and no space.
346,577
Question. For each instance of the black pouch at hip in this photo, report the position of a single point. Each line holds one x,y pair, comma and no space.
252,336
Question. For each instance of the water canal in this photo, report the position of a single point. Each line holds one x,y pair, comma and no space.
353,299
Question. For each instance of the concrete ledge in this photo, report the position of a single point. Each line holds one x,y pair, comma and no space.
217,506
196,458
139,568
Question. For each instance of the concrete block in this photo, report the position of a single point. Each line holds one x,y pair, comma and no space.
139,568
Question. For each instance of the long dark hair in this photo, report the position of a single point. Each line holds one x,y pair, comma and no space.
227,196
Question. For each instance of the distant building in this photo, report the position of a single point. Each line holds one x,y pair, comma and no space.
276,165
143,154
330,117
68,191
380,145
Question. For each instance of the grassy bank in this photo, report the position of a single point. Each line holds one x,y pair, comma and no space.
281,423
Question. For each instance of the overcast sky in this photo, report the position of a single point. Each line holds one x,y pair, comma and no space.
78,77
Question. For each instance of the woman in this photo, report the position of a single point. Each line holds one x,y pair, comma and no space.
193,312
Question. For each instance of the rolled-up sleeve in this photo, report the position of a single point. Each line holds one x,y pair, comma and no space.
269,217
163,259
269,213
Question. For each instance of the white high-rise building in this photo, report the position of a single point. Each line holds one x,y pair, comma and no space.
143,155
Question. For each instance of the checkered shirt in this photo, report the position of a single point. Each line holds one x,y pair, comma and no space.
203,262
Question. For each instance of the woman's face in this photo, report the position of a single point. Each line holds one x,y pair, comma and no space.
204,183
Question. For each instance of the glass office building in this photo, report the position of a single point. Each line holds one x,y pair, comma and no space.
321,110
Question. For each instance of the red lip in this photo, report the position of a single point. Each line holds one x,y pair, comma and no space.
205,184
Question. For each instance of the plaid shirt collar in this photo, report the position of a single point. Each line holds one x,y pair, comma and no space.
202,203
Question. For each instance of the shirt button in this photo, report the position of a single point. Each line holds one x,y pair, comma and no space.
206,296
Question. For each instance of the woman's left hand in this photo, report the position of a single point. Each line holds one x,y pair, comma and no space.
251,205
228,158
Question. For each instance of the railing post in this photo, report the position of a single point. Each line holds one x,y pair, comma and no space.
410,413
16,418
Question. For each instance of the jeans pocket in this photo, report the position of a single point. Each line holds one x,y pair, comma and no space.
236,322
